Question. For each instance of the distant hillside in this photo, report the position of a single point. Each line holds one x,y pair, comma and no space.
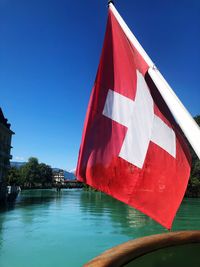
67,175
17,164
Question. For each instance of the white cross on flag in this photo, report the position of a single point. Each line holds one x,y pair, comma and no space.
132,148
142,125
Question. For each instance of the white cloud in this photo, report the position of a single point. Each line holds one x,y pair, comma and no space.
18,158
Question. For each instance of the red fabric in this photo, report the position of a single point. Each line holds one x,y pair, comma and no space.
158,188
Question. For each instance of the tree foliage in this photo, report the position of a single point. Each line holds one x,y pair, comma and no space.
31,174
194,182
13,177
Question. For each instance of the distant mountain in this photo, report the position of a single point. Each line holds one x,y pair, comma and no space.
17,164
67,174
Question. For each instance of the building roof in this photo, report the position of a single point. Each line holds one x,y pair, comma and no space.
3,120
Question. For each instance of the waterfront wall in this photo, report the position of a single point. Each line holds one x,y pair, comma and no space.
67,185
3,192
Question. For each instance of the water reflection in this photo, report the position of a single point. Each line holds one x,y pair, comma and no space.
188,216
96,205
29,198
47,222
1,230
134,223
125,220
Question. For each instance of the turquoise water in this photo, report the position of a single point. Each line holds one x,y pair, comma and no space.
47,229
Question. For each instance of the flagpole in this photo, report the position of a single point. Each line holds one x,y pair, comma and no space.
181,115
110,2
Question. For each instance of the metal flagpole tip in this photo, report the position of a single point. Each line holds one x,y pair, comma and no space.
110,2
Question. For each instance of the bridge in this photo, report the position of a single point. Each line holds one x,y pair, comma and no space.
69,184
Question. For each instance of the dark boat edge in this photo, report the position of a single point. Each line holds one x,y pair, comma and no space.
128,251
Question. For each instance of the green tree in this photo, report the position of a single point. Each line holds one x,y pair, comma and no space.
13,177
45,173
31,172
194,182
34,172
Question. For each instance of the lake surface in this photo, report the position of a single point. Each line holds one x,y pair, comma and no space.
47,229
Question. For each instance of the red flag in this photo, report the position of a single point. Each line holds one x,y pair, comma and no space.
131,146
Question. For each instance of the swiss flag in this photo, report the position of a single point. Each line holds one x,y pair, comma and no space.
132,148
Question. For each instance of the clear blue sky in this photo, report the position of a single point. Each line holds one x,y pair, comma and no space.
49,53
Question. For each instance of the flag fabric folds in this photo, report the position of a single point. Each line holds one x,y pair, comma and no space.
132,148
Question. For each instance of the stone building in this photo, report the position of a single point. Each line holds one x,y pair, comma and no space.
58,176
5,147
